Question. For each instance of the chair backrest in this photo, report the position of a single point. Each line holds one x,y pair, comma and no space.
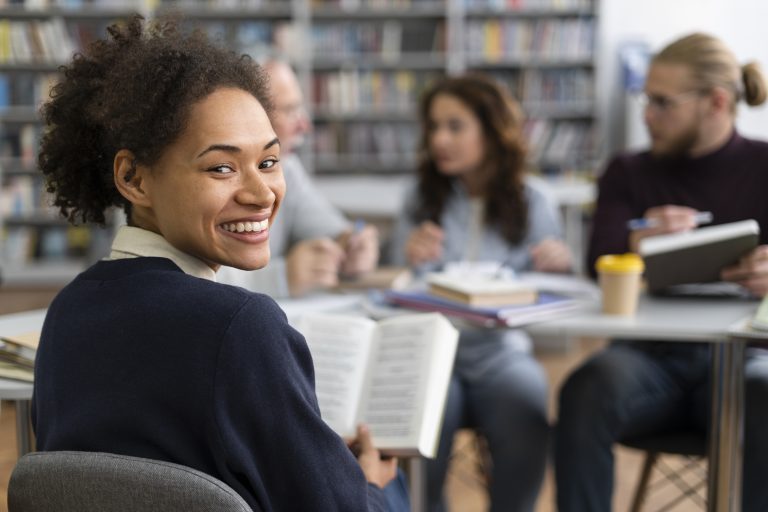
70,481
691,443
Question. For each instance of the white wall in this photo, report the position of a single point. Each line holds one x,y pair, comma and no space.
742,24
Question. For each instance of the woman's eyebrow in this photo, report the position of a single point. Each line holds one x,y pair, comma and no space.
233,149
220,147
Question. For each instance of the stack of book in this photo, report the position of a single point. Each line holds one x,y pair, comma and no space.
484,301
17,356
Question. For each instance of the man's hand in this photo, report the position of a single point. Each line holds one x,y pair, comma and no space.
664,219
361,250
751,271
551,255
425,243
313,264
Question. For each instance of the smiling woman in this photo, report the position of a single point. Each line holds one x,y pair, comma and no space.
225,163
144,353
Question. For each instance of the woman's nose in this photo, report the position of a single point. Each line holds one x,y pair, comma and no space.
255,190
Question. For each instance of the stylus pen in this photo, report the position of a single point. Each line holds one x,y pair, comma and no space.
643,223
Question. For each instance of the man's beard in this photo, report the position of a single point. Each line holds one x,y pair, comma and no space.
680,146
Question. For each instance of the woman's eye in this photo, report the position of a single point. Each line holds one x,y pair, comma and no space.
455,126
221,169
267,164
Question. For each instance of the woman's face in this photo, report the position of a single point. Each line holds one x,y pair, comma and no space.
456,141
216,189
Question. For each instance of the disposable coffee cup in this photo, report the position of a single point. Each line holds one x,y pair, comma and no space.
619,276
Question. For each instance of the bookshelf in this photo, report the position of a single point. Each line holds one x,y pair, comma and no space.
362,63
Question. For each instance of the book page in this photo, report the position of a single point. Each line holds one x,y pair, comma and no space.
340,349
410,351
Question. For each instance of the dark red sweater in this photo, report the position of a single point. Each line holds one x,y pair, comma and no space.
731,182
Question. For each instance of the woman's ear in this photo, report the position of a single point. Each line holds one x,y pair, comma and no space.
129,178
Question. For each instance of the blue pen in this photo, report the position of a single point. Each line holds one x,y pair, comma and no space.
643,223
357,228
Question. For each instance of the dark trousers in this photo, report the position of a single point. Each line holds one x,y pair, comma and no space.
636,388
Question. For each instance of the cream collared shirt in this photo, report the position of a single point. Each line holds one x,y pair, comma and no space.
132,242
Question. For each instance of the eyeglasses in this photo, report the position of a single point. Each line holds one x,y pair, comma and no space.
663,104
292,111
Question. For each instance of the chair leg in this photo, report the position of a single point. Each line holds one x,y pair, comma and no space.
642,483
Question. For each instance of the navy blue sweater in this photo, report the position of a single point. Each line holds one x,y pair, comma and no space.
138,358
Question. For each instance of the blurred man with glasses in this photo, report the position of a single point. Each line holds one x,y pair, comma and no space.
697,162
311,242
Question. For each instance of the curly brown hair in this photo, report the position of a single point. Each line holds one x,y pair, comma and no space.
132,90
506,206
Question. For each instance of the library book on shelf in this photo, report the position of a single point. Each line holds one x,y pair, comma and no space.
696,256
392,375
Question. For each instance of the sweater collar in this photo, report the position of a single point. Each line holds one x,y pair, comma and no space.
132,242
733,142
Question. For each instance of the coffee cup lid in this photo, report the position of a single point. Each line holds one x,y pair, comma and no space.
620,263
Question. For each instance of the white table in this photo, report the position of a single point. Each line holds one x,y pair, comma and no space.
720,322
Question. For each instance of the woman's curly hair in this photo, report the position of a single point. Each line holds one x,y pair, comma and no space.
499,114
132,90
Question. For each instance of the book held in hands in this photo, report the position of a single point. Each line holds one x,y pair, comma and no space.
392,375
696,256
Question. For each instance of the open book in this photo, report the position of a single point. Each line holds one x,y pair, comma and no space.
696,256
392,375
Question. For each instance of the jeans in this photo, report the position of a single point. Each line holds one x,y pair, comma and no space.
501,392
637,388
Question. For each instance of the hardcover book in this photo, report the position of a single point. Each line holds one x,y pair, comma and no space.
481,291
696,256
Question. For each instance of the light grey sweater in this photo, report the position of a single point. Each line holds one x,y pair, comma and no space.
466,238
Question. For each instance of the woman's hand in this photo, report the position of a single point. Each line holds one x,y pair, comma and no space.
425,243
551,255
377,471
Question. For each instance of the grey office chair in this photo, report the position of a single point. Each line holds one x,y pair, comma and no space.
69,481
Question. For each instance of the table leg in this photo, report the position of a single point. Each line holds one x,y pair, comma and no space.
727,427
417,482
23,427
